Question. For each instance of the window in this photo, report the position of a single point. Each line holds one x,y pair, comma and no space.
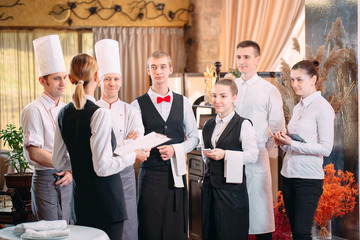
19,77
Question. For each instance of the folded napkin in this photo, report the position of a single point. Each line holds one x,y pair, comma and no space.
178,165
233,167
42,225
29,233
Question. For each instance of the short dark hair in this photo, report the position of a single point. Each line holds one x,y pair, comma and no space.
249,43
228,82
309,67
46,77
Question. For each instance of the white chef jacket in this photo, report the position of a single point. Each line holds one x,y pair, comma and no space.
313,120
105,164
38,123
125,118
234,160
260,101
191,131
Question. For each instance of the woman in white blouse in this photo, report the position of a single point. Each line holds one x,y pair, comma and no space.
85,131
229,143
302,170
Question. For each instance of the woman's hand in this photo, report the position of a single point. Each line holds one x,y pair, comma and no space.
142,154
276,140
282,138
216,154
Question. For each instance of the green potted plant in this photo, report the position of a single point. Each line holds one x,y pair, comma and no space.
21,180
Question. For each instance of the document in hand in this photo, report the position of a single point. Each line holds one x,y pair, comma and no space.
296,137
150,140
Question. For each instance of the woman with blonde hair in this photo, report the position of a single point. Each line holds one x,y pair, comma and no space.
84,130
229,143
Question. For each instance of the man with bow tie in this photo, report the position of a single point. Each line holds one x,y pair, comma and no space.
162,203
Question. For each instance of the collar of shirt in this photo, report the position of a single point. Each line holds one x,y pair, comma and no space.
225,119
48,101
110,103
251,81
91,98
153,95
311,98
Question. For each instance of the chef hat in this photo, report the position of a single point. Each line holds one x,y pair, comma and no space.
107,57
49,55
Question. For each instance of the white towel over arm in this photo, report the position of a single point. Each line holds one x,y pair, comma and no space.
178,165
234,160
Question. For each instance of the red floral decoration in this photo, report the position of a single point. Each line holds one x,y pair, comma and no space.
338,198
339,195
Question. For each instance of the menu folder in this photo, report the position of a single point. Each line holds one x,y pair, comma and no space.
150,140
296,137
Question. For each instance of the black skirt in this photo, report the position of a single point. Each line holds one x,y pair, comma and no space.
225,214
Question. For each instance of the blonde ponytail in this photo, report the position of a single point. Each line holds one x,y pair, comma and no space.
79,97
82,69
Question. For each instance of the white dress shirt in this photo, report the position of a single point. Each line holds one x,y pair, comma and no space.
189,121
105,164
312,119
38,123
178,164
261,102
234,160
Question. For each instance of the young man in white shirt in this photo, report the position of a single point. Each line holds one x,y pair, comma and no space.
51,190
162,205
126,123
259,101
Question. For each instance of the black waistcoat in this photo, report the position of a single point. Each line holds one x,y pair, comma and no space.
229,140
153,122
96,199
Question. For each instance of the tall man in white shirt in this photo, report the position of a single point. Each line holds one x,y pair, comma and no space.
126,122
51,190
162,205
259,101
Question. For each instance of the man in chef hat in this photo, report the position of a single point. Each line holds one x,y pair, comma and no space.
51,190
126,120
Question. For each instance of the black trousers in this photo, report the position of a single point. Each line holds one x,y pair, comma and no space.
301,197
225,214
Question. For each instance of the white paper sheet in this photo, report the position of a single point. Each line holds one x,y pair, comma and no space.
150,140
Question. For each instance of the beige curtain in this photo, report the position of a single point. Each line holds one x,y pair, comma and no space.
136,44
268,22
19,84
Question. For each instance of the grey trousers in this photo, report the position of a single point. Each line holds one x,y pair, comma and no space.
130,231
49,201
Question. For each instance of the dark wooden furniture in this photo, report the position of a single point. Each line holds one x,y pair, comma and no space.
14,210
196,172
